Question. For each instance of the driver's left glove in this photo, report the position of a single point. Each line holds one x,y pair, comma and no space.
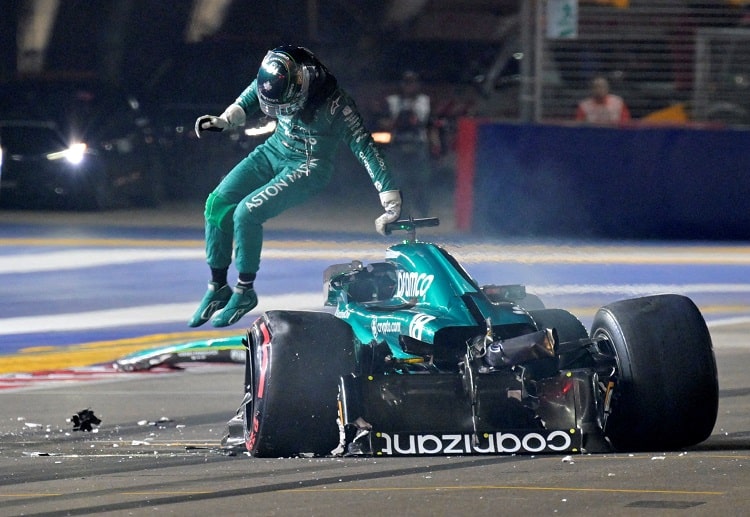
233,116
391,201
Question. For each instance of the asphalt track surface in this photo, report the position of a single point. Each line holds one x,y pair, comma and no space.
80,290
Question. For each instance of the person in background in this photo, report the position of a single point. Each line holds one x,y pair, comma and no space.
602,107
412,142
313,116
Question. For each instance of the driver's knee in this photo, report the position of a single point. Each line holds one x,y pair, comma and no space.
219,212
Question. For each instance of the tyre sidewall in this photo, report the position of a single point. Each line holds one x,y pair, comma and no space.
296,366
667,389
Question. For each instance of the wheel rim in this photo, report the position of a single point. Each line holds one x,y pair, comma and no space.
605,346
250,389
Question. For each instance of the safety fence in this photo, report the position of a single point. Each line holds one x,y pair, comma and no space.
669,59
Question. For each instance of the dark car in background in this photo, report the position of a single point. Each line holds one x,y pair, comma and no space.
40,166
120,163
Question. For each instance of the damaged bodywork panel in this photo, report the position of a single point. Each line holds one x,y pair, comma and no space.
223,350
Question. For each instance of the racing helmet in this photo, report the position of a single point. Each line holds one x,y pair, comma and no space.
284,80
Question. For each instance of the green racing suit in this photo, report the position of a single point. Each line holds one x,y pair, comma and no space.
295,163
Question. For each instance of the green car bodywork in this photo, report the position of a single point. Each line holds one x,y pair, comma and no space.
420,294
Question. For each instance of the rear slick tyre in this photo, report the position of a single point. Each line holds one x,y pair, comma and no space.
667,392
568,327
296,360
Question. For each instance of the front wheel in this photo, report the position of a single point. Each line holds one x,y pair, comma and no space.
296,359
667,391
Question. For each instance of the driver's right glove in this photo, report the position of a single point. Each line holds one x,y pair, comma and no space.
391,201
233,116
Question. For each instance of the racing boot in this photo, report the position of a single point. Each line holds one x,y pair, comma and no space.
242,301
216,298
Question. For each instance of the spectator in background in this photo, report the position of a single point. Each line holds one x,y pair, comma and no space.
602,107
412,142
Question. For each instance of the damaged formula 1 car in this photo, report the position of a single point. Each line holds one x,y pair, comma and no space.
419,359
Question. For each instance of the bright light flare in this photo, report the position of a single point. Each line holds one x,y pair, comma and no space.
382,137
73,154
262,130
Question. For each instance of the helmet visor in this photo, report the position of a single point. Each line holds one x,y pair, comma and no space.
280,110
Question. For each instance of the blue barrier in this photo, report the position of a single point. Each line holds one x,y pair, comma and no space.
640,182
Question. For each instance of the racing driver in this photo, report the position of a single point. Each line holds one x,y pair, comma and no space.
313,116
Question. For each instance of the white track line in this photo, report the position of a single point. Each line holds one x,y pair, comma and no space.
144,315
636,289
369,251
175,312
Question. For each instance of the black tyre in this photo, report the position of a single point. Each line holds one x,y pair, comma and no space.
296,360
667,392
568,327
531,302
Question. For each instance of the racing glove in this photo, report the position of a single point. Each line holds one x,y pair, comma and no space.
233,116
391,201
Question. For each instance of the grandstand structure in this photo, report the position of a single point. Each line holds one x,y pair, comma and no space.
671,60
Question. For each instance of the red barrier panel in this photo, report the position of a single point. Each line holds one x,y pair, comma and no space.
466,144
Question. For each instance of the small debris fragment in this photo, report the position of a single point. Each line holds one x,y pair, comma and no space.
157,423
84,420
568,459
